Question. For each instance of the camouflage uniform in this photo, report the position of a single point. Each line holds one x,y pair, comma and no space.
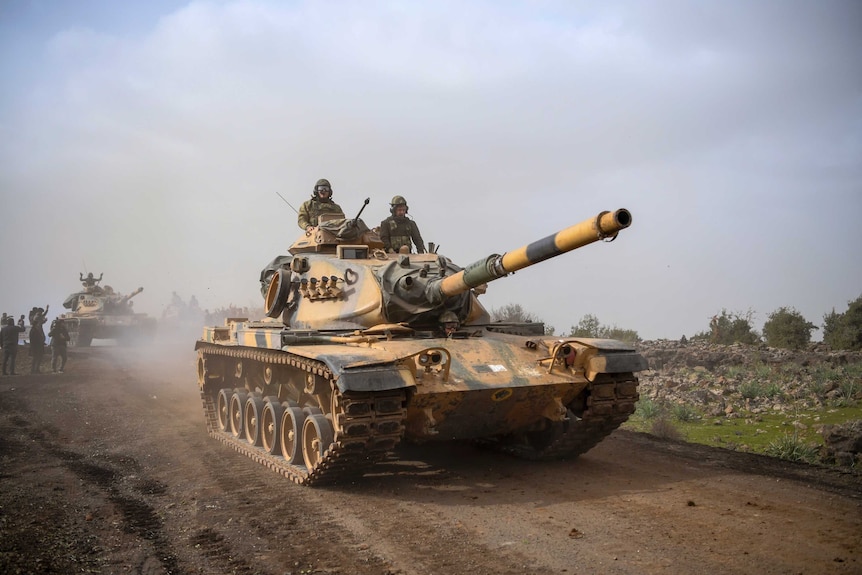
311,209
9,341
37,341
59,339
398,230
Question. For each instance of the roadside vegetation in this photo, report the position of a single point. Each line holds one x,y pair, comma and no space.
746,391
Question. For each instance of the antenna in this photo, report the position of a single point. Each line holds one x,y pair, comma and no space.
288,203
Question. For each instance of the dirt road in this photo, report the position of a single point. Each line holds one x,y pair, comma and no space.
107,468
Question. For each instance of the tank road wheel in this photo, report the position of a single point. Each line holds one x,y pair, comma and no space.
292,423
223,408
235,411
270,425
317,436
252,417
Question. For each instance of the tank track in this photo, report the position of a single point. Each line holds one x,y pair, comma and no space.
368,426
610,402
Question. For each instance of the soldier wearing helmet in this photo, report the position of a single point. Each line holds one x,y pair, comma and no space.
398,232
320,203
449,323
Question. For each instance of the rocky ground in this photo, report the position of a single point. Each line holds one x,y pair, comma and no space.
742,381
107,468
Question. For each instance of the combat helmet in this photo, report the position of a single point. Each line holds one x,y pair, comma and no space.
398,201
448,317
322,182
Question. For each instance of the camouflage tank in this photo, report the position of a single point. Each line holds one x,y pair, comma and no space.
99,312
352,360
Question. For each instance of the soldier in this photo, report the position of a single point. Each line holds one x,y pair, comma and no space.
9,343
449,323
59,339
21,322
320,203
89,281
397,231
37,339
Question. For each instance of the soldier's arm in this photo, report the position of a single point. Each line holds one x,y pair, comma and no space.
303,219
384,235
417,238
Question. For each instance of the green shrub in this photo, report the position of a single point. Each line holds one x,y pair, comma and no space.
732,327
647,409
786,328
791,448
734,371
826,376
772,390
751,389
844,330
762,370
590,326
685,413
847,391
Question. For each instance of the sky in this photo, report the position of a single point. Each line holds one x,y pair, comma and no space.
149,141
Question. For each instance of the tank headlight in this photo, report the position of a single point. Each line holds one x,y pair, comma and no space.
429,358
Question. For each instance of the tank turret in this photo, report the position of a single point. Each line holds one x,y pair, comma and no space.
339,278
362,350
99,312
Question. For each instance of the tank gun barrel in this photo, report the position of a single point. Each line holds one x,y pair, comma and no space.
603,226
131,295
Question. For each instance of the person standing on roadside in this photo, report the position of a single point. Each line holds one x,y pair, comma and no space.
9,342
59,339
37,339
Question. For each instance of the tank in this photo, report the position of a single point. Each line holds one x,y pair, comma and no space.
351,359
99,312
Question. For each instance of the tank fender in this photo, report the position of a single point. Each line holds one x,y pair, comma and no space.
359,368
595,356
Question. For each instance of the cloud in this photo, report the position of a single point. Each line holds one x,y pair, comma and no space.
731,131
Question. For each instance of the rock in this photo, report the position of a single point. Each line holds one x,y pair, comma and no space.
843,442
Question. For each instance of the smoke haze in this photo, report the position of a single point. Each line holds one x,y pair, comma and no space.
149,142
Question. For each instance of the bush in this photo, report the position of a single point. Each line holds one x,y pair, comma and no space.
844,330
685,413
665,429
791,448
787,329
751,389
732,327
847,392
515,313
647,409
589,326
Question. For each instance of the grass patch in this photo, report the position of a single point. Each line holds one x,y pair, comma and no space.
648,409
790,447
685,413
755,433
